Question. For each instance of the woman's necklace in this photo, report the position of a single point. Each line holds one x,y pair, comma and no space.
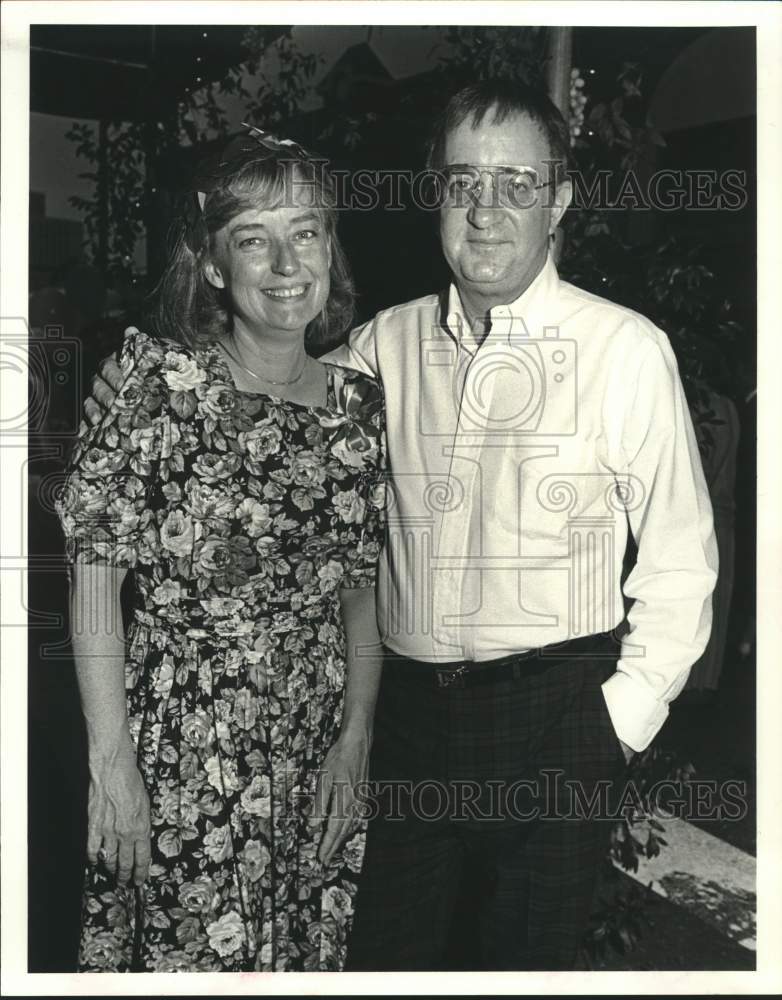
262,378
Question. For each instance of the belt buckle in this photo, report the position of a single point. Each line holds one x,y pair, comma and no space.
451,677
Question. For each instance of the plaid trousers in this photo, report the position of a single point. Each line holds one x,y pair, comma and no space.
500,776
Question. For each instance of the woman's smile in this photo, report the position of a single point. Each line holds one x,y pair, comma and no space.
290,292
273,263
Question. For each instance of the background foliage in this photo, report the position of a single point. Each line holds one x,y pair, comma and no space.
135,149
665,278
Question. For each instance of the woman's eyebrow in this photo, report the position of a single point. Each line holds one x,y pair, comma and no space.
296,221
308,217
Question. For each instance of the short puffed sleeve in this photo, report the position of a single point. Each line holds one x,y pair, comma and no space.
103,506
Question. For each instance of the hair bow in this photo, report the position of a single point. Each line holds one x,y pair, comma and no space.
211,171
274,144
254,145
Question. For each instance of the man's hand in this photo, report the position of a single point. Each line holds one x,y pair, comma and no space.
345,767
105,387
627,751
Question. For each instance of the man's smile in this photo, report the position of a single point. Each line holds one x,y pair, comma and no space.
483,244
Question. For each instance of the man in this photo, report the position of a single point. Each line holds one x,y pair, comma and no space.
529,424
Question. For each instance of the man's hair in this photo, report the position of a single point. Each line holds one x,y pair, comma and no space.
505,99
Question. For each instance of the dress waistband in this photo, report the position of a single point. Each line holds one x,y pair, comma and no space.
223,617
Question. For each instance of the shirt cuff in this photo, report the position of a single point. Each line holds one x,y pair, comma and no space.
636,713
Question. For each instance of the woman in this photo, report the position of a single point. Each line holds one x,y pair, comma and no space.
240,479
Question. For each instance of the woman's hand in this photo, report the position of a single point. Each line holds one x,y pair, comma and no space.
118,825
345,767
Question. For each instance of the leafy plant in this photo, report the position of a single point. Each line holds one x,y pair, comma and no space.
614,125
667,279
281,94
124,191
670,284
282,79
467,54
639,832
619,920
485,53
618,924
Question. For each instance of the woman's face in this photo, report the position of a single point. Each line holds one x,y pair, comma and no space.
274,265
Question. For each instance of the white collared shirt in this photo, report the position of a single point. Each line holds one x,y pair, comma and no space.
517,464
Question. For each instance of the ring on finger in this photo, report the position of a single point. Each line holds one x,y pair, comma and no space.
104,857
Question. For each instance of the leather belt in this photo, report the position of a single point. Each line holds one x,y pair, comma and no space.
514,666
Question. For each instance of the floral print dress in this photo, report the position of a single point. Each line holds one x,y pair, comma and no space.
242,516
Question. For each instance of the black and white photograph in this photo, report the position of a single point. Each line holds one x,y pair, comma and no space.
390,554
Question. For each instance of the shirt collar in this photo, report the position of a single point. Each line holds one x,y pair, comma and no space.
527,316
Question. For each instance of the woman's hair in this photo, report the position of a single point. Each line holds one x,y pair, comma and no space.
186,307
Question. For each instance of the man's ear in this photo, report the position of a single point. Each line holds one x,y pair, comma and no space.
563,195
212,273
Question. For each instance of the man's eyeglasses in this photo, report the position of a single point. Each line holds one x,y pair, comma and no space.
512,186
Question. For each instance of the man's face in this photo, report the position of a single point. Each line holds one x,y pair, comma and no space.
496,248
